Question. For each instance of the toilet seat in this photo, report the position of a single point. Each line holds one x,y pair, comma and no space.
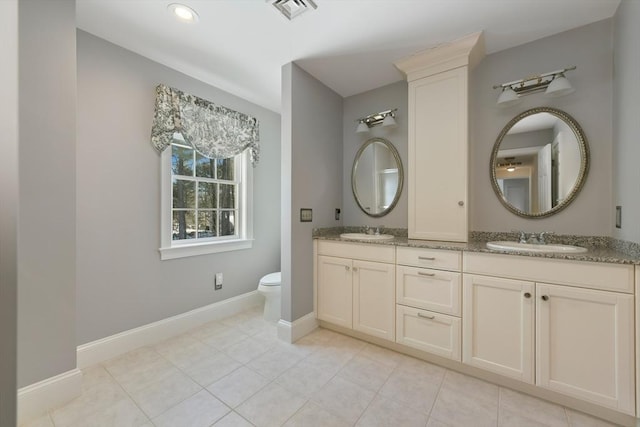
271,279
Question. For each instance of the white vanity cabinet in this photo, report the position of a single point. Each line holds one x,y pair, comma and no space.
356,287
438,138
428,284
583,337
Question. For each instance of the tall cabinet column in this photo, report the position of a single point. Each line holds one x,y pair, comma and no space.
438,138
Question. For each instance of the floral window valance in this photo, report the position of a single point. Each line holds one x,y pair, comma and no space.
215,131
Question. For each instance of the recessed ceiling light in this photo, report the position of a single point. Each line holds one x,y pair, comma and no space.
183,13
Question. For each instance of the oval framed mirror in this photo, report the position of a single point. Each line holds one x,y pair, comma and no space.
377,177
539,162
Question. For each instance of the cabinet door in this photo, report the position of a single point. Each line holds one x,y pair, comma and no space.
374,299
498,328
335,290
585,344
434,290
428,331
437,166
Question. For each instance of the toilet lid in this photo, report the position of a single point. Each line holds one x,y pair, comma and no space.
272,279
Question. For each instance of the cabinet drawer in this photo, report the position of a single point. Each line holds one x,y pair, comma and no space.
433,290
378,253
428,331
595,275
430,258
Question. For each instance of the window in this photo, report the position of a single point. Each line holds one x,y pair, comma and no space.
205,202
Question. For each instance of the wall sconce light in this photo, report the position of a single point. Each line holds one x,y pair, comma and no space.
553,84
385,118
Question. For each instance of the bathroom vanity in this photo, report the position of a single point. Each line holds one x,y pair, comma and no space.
560,323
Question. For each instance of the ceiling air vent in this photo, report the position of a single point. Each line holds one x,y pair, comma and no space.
293,8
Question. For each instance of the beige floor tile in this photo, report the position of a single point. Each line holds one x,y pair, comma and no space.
416,388
366,372
514,404
210,369
200,410
274,362
92,400
328,360
247,350
165,393
124,413
509,418
143,375
579,419
130,361
238,386
435,423
204,331
382,355
44,421
233,420
312,415
95,375
343,398
384,412
190,355
177,345
271,406
304,378
464,400
224,337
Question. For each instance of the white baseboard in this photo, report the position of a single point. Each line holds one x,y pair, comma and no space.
115,345
36,399
292,331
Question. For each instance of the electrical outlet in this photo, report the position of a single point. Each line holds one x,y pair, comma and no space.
337,214
306,215
218,281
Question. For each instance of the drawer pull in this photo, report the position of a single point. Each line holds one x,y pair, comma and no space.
427,258
420,273
424,316
527,295
355,269
545,297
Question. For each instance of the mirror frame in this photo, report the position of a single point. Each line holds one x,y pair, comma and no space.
396,157
584,161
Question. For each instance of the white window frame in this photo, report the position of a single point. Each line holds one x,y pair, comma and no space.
170,249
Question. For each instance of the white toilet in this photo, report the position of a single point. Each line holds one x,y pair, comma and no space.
269,287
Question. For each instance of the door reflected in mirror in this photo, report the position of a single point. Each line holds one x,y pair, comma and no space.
377,177
539,162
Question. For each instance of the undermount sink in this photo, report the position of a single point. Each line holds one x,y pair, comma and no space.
363,236
530,247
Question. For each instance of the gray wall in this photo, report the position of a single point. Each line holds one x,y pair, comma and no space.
385,98
122,283
626,126
47,173
8,209
312,149
590,48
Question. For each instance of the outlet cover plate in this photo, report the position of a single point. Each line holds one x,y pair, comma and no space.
306,215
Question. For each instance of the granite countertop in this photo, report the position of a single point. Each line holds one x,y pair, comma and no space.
600,249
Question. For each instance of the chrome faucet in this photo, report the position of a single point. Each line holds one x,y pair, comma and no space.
533,238
379,230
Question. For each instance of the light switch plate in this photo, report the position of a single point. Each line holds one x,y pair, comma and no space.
306,215
618,216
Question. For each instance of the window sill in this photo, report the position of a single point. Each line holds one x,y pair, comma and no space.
204,249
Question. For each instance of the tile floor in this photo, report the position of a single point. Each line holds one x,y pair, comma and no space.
235,372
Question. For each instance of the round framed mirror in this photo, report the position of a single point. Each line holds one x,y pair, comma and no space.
377,177
539,162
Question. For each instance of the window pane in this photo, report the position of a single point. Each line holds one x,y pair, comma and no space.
204,166
182,160
184,193
227,223
227,196
184,225
226,169
206,224
207,195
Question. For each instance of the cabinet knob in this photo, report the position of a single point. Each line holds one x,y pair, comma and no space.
355,268
545,297
346,267
527,295
460,203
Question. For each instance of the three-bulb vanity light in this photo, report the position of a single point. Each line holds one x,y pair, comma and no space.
554,84
385,118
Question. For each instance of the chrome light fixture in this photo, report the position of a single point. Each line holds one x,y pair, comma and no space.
293,8
385,118
554,83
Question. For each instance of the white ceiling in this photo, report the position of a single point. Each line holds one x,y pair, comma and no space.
350,45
